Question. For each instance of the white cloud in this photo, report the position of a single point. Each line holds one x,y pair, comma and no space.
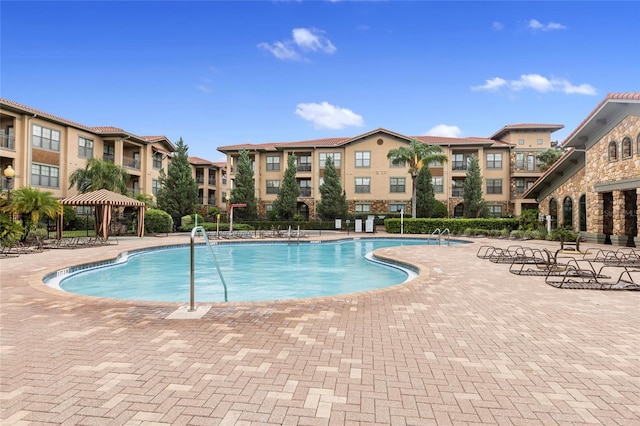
445,130
537,83
312,39
492,84
281,50
536,25
304,39
327,116
497,26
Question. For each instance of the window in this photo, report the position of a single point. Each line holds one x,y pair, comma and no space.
435,163
397,208
397,184
539,141
494,186
199,176
157,160
457,188
363,184
613,151
531,163
582,212
438,184
520,141
519,160
553,212
494,161
42,175
268,208
567,212
85,147
155,186
46,138
109,153
305,187
363,208
458,162
273,186
402,164
273,163
495,211
336,156
627,150
519,186
304,163
363,159
638,146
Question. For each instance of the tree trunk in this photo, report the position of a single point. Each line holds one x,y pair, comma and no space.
414,195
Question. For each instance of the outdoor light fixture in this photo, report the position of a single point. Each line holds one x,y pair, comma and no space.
9,173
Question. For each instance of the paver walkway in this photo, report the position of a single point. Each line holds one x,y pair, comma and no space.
464,343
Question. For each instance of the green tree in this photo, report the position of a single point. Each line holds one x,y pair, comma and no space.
415,155
178,192
474,205
547,157
100,174
31,204
244,191
425,197
333,199
286,203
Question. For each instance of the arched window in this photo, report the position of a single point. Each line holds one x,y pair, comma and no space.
627,149
567,212
553,212
458,211
638,145
582,212
613,151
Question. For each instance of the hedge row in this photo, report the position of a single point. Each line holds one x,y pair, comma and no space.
455,226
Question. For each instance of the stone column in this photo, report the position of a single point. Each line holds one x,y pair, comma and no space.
618,213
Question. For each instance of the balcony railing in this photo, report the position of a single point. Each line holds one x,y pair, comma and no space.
457,192
7,142
459,165
110,158
211,201
132,163
199,179
305,192
304,167
212,180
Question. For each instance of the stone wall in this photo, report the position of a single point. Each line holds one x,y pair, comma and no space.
574,188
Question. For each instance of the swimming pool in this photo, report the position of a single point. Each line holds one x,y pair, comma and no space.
252,272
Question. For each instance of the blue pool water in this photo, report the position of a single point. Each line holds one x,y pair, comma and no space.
252,272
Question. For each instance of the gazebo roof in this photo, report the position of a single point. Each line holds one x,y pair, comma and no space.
101,197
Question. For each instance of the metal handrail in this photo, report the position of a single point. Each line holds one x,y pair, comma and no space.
194,231
446,231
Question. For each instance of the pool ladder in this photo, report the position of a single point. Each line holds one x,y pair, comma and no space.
440,233
194,231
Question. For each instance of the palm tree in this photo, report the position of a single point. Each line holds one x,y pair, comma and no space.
33,203
415,156
100,174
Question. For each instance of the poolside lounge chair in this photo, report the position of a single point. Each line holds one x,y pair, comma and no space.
540,263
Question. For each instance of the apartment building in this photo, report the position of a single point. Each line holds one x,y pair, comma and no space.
374,185
594,187
211,178
44,150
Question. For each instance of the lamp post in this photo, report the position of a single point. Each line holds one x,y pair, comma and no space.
9,173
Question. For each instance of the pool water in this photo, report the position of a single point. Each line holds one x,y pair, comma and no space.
252,272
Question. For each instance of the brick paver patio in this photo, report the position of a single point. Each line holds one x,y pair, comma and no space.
464,343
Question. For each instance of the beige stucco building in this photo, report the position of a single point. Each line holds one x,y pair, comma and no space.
374,185
595,187
44,150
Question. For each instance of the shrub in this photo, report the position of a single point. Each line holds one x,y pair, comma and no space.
157,222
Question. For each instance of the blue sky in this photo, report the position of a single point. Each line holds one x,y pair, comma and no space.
221,73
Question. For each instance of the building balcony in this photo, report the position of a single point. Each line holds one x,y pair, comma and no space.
305,168
305,192
199,179
212,181
457,192
7,142
131,163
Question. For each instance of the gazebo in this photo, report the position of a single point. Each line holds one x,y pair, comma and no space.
103,200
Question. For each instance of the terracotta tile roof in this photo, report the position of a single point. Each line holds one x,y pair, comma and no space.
200,161
525,126
630,96
339,141
100,130
221,164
